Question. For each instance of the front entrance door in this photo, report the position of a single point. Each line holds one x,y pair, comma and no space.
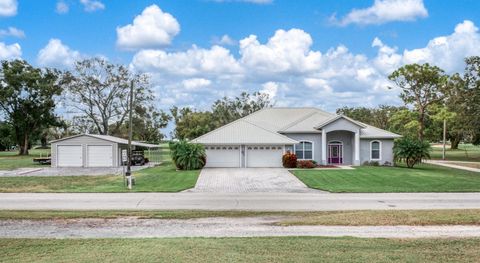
335,153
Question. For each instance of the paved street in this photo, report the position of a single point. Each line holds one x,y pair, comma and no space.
238,201
242,180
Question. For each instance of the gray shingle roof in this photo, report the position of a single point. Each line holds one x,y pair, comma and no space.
243,132
267,126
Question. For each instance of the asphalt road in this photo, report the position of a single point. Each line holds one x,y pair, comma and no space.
237,201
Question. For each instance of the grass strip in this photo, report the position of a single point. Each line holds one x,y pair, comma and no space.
347,218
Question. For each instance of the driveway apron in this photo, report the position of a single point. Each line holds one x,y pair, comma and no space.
242,180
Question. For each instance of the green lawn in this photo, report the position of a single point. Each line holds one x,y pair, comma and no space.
260,249
343,218
465,152
163,178
11,160
368,179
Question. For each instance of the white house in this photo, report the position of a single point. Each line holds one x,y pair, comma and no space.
260,139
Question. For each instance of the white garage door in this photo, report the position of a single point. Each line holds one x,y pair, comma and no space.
223,156
99,156
264,156
69,156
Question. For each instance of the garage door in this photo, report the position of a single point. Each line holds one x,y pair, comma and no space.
264,156
99,156
223,156
69,156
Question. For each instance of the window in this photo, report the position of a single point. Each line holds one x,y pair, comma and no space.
304,150
375,150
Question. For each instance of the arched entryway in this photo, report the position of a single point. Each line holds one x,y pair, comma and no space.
335,152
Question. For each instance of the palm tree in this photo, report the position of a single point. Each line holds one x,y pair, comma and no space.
187,156
411,151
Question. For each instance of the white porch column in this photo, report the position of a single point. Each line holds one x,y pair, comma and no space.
324,147
357,148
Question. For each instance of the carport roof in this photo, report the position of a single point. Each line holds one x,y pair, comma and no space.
110,139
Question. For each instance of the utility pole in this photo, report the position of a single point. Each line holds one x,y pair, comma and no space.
444,137
128,174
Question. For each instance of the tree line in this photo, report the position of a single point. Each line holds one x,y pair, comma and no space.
430,96
40,104
95,92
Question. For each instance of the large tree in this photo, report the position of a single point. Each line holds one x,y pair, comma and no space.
379,116
227,109
422,86
190,123
27,98
472,97
99,90
147,123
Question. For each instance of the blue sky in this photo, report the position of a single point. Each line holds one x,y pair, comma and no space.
303,53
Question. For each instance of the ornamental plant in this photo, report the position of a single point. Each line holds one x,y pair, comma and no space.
411,151
306,164
187,156
289,160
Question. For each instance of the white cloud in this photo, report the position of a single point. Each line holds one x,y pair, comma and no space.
196,83
285,51
56,54
193,62
270,88
225,40
62,7
384,11
387,59
92,5
449,51
8,7
13,32
153,28
8,52
286,67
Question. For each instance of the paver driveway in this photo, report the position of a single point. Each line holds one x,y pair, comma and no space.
240,180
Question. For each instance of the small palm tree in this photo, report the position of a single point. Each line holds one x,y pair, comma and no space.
411,151
187,156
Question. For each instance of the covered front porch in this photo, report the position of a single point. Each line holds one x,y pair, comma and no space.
340,147
340,141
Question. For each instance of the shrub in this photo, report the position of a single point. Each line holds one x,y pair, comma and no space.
387,164
187,156
305,164
371,163
411,151
289,160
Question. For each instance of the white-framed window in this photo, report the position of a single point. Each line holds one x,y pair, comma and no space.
375,150
304,150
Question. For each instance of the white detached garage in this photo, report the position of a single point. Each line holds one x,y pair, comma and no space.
91,150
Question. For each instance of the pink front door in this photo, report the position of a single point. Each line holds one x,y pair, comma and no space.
335,153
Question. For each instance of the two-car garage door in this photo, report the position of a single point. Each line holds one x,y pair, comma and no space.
223,156
252,156
264,156
69,156
73,156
